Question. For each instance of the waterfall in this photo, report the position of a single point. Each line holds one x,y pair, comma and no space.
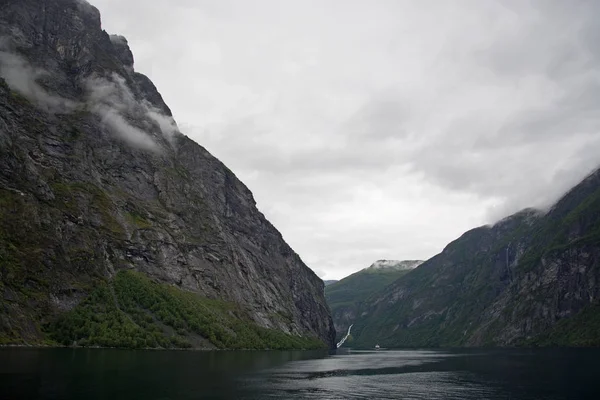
345,337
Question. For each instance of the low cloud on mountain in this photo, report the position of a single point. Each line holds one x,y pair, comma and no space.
108,97
23,78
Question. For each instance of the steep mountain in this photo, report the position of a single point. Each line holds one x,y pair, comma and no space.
115,228
531,279
329,282
345,296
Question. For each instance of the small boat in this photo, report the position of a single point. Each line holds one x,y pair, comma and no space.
376,347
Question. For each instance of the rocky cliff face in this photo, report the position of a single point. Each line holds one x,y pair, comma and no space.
96,178
532,278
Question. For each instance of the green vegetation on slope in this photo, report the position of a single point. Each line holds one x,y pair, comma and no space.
438,319
134,312
580,330
25,280
497,286
359,286
345,296
578,212
39,257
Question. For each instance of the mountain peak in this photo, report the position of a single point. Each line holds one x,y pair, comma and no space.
394,265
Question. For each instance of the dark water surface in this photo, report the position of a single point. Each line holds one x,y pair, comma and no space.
477,374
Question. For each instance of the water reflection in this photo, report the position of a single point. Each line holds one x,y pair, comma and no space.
116,374
475,374
498,374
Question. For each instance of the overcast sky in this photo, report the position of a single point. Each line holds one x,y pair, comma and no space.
379,129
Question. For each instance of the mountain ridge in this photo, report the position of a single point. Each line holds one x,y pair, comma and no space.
512,283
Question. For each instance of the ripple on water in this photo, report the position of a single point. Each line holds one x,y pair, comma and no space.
377,375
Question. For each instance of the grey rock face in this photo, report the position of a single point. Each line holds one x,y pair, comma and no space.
95,177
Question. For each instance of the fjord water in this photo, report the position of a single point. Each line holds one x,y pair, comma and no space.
476,374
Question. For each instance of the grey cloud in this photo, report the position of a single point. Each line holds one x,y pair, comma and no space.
125,130
23,78
519,159
112,99
111,92
167,124
533,153
383,118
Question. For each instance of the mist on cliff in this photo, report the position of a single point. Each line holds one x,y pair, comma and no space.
110,98
23,78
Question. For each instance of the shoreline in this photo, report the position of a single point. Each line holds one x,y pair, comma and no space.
41,346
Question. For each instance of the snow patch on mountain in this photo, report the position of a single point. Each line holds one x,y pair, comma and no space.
395,265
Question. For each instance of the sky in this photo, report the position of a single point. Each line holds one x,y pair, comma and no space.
379,129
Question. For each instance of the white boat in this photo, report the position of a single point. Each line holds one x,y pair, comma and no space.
376,347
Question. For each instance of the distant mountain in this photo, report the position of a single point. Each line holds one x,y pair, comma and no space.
329,282
345,296
394,265
531,279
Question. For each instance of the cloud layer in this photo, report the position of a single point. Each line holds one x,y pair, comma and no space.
371,130
23,77
109,97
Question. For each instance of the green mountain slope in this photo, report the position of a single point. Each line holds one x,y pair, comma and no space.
532,278
345,296
133,311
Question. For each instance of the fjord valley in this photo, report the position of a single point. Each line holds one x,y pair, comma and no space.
346,295
531,279
115,228
142,213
